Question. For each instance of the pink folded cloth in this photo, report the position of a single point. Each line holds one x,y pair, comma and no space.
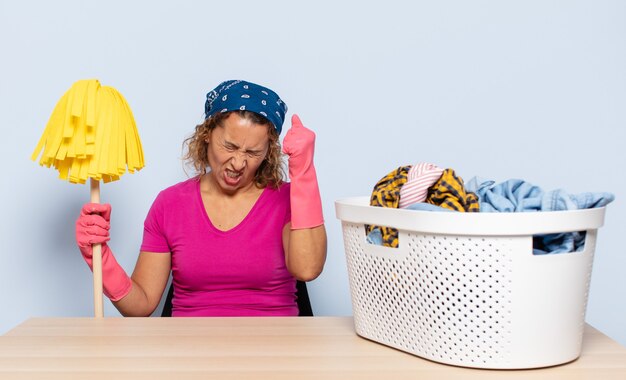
420,177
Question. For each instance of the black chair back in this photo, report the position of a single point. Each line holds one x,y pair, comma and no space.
304,303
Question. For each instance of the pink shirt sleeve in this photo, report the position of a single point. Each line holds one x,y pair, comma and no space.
154,239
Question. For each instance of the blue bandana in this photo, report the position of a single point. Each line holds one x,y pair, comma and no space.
235,95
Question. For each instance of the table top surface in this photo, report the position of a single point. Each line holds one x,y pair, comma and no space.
250,348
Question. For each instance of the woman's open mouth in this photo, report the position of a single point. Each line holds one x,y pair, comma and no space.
232,178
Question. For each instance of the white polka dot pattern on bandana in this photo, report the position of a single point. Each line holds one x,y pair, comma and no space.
245,96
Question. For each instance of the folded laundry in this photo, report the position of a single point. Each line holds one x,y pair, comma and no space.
386,193
515,195
449,192
427,207
421,176
376,235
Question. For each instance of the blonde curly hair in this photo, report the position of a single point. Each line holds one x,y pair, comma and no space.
270,173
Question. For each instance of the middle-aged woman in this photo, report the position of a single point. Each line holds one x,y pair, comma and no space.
236,236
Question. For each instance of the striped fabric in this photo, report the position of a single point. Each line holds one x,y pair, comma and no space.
420,177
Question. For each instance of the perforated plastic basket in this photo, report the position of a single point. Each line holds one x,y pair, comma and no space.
465,288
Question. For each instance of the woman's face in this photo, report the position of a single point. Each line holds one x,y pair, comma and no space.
236,149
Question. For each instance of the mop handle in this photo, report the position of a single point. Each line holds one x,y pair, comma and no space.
98,305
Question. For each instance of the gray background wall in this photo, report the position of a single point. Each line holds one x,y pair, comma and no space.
519,89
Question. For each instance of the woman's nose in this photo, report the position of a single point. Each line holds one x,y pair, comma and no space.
239,161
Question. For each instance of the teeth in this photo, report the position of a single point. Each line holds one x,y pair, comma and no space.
232,174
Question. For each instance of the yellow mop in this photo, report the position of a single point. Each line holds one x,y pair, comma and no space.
91,134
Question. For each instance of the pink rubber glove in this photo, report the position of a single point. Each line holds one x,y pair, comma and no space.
92,227
306,203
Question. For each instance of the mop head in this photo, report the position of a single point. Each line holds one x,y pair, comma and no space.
91,134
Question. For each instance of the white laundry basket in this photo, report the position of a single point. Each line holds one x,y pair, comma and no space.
465,288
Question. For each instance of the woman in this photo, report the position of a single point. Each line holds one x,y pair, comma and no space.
235,237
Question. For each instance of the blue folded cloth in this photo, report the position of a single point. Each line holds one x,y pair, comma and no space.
516,195
376,236
428,207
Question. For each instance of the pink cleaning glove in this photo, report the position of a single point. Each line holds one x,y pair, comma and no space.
306,203
92,227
